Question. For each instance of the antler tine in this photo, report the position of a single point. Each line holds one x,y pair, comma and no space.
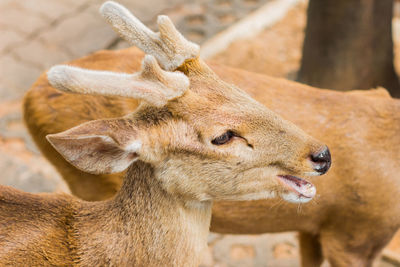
169,46
152,84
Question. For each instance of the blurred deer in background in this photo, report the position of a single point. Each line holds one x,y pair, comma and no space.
193,139
356,211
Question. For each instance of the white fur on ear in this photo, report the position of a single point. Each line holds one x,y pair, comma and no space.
152,84
135,146
169,46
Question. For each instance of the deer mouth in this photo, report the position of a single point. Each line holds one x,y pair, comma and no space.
302,188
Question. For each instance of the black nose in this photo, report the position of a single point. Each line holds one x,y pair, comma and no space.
321,160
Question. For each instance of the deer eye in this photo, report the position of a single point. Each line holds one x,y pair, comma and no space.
223,139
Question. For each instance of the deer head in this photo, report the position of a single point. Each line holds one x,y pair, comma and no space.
205,139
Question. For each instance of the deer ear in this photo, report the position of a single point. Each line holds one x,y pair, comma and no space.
102,146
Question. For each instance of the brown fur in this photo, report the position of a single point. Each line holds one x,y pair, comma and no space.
161,215
355,213
60,230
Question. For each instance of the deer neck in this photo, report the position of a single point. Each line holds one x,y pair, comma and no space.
146,226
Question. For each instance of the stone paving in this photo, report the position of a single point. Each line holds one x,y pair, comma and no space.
36,34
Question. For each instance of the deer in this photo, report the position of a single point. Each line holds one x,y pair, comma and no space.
353,216
192,139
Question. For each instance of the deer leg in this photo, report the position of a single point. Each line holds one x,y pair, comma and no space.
338,250
310,250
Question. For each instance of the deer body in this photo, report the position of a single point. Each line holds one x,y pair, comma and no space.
135,228
355,213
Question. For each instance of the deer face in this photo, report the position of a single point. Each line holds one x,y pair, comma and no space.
233,147
204,138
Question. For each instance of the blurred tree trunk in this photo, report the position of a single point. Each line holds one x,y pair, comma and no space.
348,45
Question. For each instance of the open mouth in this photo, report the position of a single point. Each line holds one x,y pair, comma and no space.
299,186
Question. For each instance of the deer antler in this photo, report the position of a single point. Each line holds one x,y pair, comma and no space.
152,84
169,46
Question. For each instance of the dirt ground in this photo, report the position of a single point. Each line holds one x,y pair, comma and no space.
276,51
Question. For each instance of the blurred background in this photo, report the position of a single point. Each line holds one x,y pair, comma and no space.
36,34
